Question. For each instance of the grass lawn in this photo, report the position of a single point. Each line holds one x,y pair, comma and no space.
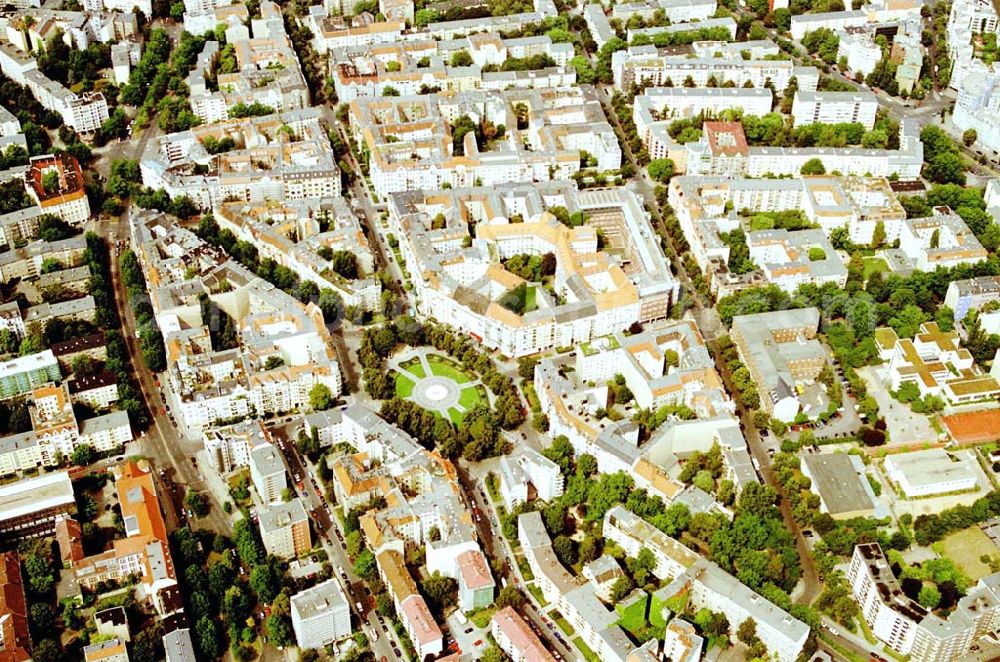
415,368
404,385
965,548
873,264
455,416
442,368
531,396
470,397
537,592
585,651
561,621
482,617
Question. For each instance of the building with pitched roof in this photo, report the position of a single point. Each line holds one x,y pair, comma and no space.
592,292
516,639
15,639
145,551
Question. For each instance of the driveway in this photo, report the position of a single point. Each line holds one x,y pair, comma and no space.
905,427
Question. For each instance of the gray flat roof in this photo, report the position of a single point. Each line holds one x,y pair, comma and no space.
836,480
35,494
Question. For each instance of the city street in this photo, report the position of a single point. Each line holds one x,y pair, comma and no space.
327,528
494,546
160,442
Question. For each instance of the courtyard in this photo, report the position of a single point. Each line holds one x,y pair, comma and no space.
437,383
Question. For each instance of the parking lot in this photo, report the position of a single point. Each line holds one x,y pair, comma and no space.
466,636
904,426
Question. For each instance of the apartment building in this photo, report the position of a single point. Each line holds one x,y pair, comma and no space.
110,650
906,626
838,20
681,642
284,528
31,506
665,364
676,11
652,66
476,585
706,583
284,156
420,156
633,534
784,357
178,647
83,113
941,240
26,263
268,70
144,552
231,384
321,615
968,19
591,295
298,234
330,32
21,375
55,182
834,108
936,363
9,124
410,605
792,259
525,474
727,23
267,471
657,108
859,47
516,639
412,66
707,206
98,391
15,638
595,623
971,294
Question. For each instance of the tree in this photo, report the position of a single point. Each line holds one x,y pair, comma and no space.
813,167
969,136
440,591
265,580
50,181
197,503
320,397
621,588
364,566
47,650
878,235
526,368
747,632
509,596
461,59
565,549
661,170
82,455
561,452
929,596
492,654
